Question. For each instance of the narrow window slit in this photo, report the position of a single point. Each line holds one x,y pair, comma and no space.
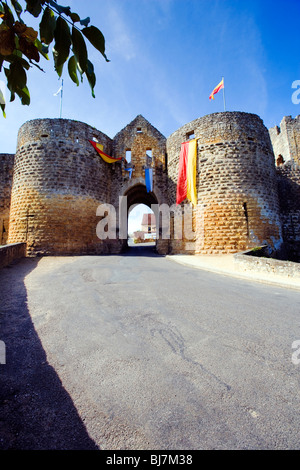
246,216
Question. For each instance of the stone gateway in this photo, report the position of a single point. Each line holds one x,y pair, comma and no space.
247,182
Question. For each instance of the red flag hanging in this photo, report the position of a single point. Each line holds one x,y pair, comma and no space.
186,184
106,158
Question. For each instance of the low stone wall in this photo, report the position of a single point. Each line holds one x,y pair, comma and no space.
10,253
249,261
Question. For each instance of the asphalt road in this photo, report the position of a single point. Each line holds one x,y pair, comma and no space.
139,352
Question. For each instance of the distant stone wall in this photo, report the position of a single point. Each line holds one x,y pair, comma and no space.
238,205
6,174
289,196
59,181
286,139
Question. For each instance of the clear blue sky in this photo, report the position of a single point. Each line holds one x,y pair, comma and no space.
166,57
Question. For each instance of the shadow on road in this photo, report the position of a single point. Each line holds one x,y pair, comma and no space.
36,412
141,249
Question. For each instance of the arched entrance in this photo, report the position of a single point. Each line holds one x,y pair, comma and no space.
138,194
141,225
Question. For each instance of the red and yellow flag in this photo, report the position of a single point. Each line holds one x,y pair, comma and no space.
217,89
186,184
105,157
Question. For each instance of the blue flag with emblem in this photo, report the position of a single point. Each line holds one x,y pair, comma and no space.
130,170
149,179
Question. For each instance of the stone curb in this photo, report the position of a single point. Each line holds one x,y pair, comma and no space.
236,274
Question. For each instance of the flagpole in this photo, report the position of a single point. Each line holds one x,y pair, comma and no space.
224,94
61,96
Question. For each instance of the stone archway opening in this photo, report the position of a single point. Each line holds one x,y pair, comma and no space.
141,226
138,197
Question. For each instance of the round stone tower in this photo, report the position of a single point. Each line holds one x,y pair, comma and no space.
6,171
59,180
237,194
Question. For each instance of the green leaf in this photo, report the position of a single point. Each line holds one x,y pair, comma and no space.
58,68
91,77
16,83
16,76
60,9
24,95
18,9
72,68
62,44
79,48
74,17
9,17
85,22
47,26
80,71
2,106
96,38
16,56
42,49
2,103
12,94
34,7
2,99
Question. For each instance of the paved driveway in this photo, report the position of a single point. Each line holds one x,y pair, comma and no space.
139,352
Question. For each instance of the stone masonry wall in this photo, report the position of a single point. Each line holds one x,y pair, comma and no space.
6,174
286,139
11,253
238,205
59,181
139,137
285,269
289,195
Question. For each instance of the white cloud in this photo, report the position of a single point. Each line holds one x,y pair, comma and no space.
120,38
